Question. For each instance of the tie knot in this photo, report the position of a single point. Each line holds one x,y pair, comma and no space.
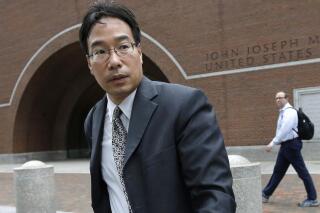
117,112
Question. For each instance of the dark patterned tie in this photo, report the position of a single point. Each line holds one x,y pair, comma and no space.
119,140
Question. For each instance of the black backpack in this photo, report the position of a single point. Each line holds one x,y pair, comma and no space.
305,126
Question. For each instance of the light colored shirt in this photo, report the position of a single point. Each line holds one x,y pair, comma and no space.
287,123
109,170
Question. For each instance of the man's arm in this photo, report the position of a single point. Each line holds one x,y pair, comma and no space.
204,160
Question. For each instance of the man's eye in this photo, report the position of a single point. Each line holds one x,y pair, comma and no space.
123,47
99,52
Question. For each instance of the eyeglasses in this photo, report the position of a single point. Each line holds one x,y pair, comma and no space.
100,54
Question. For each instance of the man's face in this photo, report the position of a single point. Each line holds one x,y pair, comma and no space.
119,74
281,100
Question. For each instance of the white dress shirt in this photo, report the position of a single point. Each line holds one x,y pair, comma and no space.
287,123
109,170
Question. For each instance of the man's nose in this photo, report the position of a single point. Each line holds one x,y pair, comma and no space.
114,60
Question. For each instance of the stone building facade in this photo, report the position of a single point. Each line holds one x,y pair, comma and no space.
240,53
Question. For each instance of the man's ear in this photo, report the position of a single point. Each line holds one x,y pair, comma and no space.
141,58
140,53
89,64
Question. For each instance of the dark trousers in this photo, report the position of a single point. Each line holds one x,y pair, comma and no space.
290,153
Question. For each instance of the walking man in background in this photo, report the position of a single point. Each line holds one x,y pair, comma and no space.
155,147
289,153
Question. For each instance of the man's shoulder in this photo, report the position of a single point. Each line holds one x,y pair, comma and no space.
288,107
173,88
100,103
290,110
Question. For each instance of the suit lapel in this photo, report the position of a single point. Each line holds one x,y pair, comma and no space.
97,129
142,110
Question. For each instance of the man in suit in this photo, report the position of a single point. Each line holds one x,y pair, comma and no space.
155,147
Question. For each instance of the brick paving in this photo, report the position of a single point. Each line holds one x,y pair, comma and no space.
73,193
288,194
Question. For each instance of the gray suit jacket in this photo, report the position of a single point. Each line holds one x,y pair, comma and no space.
175,159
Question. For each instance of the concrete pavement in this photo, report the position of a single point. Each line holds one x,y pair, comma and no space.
82,167
73,187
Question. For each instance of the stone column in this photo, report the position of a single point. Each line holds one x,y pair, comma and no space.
34,188
246,184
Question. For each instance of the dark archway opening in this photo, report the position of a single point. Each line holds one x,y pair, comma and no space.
77,146
54,105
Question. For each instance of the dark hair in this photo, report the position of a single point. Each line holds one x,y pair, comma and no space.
285,94
100,10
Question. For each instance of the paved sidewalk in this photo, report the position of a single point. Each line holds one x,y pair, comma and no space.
72,192
73,187
82,167
288,194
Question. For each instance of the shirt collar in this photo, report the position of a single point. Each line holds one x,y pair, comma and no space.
285,107
125,105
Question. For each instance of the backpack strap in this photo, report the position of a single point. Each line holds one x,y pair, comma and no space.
296,131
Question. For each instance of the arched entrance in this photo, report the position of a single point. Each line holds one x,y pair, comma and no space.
56,101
